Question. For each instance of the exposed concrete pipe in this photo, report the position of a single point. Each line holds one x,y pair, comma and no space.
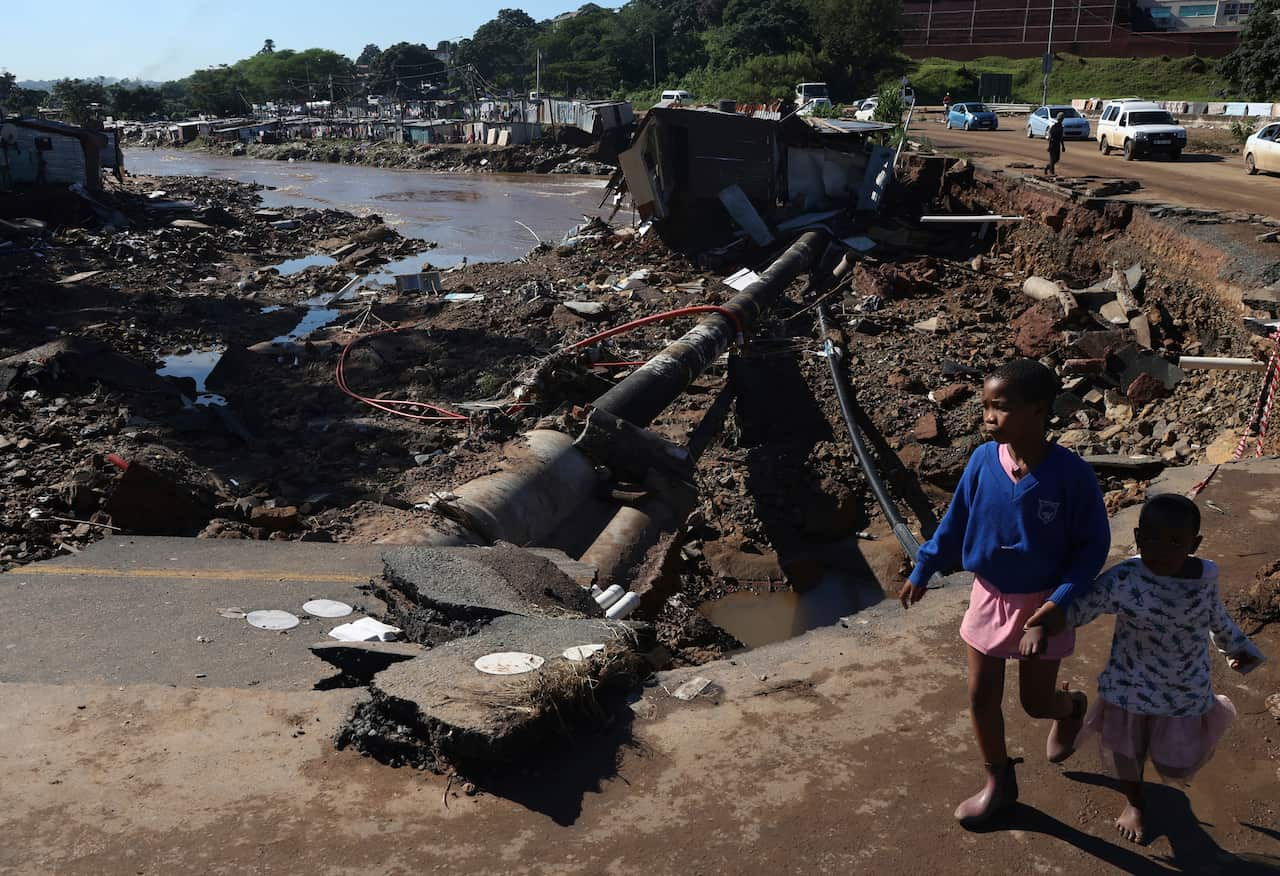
546,477
646,393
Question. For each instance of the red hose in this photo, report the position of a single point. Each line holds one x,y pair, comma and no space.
387,404
659,317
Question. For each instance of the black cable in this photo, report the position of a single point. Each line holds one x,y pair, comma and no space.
848,408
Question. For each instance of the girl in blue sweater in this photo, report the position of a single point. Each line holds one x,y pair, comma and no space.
1028,520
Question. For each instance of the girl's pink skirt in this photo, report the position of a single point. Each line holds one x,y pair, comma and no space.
1178,747
993,624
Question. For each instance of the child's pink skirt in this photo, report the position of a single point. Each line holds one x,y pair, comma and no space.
1178,747
993,624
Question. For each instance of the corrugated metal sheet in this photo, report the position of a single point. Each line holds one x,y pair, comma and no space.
24,162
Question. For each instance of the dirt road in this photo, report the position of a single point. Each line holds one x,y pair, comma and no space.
843,751
1197,180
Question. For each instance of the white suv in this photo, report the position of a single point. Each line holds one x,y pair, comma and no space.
1140,128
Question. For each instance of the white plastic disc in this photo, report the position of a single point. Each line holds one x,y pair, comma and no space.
508,663
326,608
273,619
582,652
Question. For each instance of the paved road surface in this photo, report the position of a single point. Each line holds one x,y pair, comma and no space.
1215,182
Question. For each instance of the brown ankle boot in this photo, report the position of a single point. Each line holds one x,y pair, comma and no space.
1062,735
1000,792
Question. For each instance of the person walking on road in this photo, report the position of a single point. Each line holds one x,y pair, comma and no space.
946,106
1057,144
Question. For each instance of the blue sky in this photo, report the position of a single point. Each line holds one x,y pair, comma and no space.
167,39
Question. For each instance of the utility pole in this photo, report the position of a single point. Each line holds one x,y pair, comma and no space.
653,37
538,77
1048,55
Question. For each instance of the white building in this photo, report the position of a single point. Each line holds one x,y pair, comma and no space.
1178,15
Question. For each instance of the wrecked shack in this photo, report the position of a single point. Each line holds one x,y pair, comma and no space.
40,152
686,161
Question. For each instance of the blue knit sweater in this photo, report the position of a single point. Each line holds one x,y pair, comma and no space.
1047,531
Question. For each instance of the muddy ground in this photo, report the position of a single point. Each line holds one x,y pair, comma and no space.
290,455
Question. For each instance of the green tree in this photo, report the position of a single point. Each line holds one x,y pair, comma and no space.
751,28
861,41
81,100
503,49
8,82
1254,66
217,91
268,46
368,55
135,102
406,68
573,56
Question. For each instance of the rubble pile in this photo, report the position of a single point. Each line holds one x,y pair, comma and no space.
541,157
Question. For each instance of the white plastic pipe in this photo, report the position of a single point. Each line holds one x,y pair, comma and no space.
1221,363
623,607
610,596
971,219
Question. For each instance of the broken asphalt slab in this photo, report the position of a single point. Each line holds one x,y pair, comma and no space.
439,706
473,583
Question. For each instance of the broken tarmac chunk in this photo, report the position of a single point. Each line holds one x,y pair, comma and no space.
437,709
275,519
1140,467
928,430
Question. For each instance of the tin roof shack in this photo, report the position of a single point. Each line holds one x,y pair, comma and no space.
37,152
245,133
682,158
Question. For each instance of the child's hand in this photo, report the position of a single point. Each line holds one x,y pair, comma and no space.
1243,663
911,594
1049,617
1032,642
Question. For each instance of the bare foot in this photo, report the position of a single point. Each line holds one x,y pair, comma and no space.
1130,824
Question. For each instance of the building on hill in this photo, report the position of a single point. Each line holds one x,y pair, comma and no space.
968,29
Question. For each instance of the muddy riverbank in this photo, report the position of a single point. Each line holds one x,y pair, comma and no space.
538,158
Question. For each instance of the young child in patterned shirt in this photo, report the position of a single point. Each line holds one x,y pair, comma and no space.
1155,697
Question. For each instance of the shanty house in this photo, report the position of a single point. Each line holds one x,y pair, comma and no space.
41,152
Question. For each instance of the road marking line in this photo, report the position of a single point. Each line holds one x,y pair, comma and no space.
196,574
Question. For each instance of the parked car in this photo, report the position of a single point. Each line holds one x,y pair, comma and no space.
814,105
867,109
1074,125
972,117
1262,150
1140,128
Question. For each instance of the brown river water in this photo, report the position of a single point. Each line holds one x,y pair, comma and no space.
474,216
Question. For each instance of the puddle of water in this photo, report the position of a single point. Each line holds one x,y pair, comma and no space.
756,619
296,266
315,318
197,365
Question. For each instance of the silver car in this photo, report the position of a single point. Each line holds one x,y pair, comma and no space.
1074,125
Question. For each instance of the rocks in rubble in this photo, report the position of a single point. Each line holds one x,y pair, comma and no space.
933,324
929,430
952,395
905,382
281,519
1037,331
1144,389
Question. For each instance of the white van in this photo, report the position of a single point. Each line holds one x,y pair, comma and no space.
810,91
678,96
1140,128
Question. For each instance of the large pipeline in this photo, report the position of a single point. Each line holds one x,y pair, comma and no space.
646,393
551,477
